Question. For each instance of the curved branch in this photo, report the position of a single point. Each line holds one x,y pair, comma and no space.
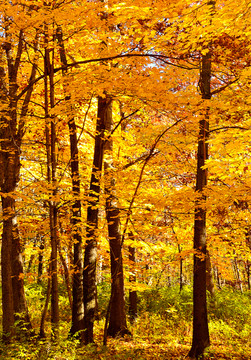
109,58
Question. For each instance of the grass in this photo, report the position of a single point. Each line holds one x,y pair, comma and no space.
163,329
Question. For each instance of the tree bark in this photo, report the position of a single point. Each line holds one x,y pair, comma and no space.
248,262
51,177
200,321
11,134
248,267
90,256
209,276
132,279
117,317
7,291
77,288
47,300
237,274
78,302
66,274
20,305
40,263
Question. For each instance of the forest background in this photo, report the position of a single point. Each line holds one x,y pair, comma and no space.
125,170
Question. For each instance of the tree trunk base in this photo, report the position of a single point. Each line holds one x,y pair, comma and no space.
115,333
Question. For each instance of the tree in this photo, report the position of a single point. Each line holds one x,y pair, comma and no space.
49,103
13,116
200,321
90,255
116,309
77,284
132,278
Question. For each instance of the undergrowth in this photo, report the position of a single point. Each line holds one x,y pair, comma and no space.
163,329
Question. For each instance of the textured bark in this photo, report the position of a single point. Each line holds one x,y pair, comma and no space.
7,292
12,264
117,317
200,321
248,267
20,305
54,251
77,288
45,309
51,178
237,274
11,133
78,300
209,276
40,263
66,274
90,256
217,277
181,268
132,293
248,263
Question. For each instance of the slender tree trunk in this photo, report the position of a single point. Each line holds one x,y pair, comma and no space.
77,288
40,263
237,274
45,309
66,274
217,277
51,177
90,257
132,279
78,295
248,267
200,321
117,317
181,269
248,263
29,269
209,275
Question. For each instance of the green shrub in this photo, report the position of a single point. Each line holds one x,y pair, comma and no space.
167,302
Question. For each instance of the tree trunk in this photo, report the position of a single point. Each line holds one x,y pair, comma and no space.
77,288
132,279
7,291
78,304
209,275
117,317
47,300
20,305
181,269
40,263
66,274
248,267
12,263
200,321
248,262
90,257
51,177
237,274
11,134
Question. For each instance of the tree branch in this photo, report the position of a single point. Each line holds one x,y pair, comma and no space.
109,58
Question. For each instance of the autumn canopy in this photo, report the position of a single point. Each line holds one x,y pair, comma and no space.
125,158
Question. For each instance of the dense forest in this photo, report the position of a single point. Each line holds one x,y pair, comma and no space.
125,180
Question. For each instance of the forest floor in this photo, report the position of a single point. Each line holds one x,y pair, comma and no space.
121,349
163,330
130,350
